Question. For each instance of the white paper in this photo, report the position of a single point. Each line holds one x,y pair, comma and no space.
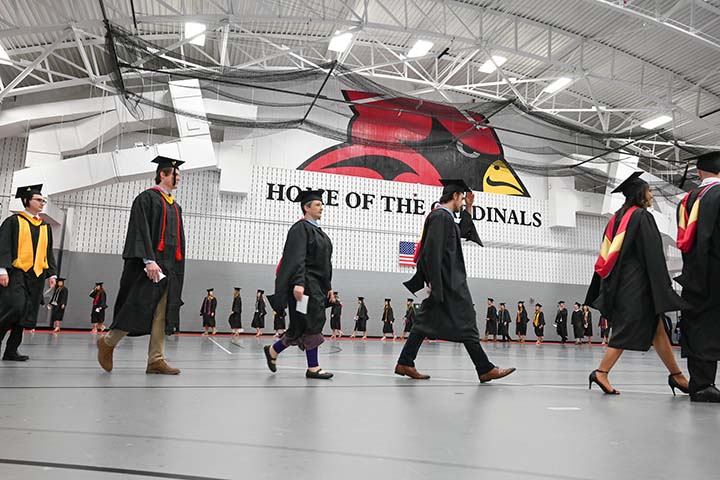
302,305
160,276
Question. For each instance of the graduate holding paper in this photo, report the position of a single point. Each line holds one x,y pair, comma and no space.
302,285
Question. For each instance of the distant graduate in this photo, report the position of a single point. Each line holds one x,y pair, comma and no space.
279,322
388,319
58,302
561,321
578,323
521,322
587,323
258,321
207,312
539,323
491,321
235,318
604,327
504,321
99,305
336,307
409,317
361,319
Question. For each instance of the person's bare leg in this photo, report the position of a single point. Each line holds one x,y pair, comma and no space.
612,355
661,342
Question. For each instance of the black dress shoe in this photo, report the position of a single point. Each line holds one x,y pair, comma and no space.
707,395
15,357
321,374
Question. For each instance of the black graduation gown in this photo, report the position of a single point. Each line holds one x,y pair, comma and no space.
279,320
540,327
139,296
258,320
700,275
491,319
448,313
362,318
561,322
95,316
207,310
20,300
588,324
388,318
235,317
577,323
307,262
521,322
335,314
409,318
638,290
504,322
59,298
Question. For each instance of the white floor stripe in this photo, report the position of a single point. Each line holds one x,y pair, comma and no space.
221,347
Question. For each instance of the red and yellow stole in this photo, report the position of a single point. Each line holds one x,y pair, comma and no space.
612,243
161,245
687,222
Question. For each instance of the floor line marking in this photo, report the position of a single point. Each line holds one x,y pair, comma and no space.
221,347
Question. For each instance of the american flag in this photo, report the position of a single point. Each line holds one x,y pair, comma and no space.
407,254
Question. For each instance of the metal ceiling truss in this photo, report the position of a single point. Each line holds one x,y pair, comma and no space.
471,33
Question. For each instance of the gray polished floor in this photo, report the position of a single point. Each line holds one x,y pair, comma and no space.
227,417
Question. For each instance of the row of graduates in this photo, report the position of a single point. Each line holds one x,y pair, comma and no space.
208,311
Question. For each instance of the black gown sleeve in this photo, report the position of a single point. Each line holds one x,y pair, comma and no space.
8,241
139,243
467,228
432,252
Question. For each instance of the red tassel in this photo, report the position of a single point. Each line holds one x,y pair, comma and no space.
178,248
161,245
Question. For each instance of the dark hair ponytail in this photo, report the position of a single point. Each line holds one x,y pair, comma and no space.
637,199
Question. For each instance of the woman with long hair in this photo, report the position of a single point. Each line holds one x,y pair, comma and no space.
97,314
521,322
587,323
632,287
388,318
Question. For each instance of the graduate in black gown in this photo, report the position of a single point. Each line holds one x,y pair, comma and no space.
504,322
207,312
303,285
491,321
361,319
539,323
235,318
577,320
388,319
409,318
258,321
336,307
26,261
631,285
521,322
58,302
448,312
587,324
604,327
561,321
99,305
279,323
699,242
149,298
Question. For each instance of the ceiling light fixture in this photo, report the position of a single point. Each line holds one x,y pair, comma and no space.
654,123
421,47
192,29
558,85
340,42
491,65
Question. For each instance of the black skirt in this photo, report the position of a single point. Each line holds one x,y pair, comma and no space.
521,328
387,327
258,321
539,330
235,320
360,325
208,321
335,322
589,330
279,323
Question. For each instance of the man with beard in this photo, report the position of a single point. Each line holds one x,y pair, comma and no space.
448,312
150,293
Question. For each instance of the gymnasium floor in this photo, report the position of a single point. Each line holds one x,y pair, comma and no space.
227,417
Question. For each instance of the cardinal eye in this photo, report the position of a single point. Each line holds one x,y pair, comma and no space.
466,151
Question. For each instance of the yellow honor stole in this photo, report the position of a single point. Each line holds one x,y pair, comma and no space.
26,258
536,321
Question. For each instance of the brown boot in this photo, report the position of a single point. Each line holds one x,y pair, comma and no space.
405,371
161,367
105,354
495,374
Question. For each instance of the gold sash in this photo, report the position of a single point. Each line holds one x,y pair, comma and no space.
26,259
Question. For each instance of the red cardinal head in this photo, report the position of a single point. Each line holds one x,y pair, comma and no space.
409,140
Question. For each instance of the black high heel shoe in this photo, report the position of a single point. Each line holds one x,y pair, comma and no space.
674,384
593,379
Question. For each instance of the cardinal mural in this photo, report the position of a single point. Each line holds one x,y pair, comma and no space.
410,140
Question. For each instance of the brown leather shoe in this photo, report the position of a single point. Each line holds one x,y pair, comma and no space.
495,374
105,354
161,367
405,371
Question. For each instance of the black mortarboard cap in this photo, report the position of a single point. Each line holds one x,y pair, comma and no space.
491,299
361,298
709,162
631,184
502,304
98,283
410,300
261,291
166,162
336,293
578,304
28,191
388,299
210,290
61,279
237,288
538,305
306,196
520,302
561,301
453,185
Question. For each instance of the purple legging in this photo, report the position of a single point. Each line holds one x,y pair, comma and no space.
311,355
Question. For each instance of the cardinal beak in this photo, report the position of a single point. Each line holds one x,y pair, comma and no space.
501,180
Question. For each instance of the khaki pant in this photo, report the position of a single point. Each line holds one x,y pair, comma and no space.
156,349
